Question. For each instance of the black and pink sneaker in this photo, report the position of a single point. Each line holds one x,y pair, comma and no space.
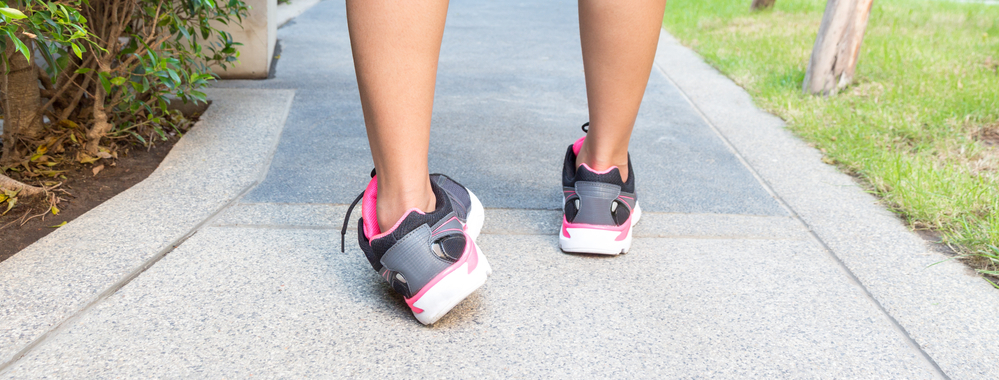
429,258
599,210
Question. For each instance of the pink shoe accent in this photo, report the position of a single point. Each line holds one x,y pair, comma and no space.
369,210
598,171
575,150
471,257
578,145
623,228
449,221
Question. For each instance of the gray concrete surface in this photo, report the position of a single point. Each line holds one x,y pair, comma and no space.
753,259
509,101
283,304
220,158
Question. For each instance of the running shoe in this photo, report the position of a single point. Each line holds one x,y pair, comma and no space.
599,210
431,259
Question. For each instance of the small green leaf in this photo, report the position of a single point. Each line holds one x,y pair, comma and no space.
118,81
137,136
77,50
12,13
19,46
84,70
105,83
58,225
173,75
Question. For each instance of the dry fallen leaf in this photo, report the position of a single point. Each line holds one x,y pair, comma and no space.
103,154
98,168
58,225
85,159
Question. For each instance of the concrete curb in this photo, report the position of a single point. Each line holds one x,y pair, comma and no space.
59,277
946,312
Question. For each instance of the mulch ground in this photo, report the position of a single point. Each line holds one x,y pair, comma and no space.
86,191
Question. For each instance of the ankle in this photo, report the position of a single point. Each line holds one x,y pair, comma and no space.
393,205
601,162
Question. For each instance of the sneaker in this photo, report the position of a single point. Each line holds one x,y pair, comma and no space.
431,259
599,210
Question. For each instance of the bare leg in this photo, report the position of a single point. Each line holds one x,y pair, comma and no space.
619,41
396,45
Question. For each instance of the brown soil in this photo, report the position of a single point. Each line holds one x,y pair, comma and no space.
989,136
86,191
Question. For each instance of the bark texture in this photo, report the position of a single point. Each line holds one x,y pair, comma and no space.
837,46
114,20
762,4
21,99
6,183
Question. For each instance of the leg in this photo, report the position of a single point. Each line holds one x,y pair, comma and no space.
619,41
396,45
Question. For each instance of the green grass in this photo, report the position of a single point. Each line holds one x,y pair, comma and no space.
912,125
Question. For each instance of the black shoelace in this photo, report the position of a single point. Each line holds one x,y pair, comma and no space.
346,218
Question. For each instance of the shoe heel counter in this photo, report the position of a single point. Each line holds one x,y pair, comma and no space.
595,202
410,257
365,244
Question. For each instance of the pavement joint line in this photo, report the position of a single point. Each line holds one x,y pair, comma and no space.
555,233
522,209
111,290
277,226
829,251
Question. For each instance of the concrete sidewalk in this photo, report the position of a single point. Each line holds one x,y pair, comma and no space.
753,259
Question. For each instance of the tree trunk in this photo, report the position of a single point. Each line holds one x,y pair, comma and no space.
6,183
101,126
837,46
21,99
761,4
108,30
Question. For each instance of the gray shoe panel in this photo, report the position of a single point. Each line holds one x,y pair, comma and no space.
412,257
595,201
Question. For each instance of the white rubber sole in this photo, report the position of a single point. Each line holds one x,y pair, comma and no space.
459,284
452,289
596,241
476,218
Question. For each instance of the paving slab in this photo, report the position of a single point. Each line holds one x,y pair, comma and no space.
220,158
509,101
233,302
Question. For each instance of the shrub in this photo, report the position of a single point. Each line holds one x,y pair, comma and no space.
78,73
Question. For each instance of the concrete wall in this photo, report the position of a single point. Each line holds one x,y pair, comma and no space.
258,35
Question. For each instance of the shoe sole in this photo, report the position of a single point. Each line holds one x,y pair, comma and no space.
476,217
598,241
448,291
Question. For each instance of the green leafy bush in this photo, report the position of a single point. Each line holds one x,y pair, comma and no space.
109,68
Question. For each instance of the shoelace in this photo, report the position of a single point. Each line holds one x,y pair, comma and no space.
346,218
586,127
